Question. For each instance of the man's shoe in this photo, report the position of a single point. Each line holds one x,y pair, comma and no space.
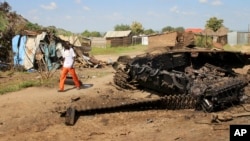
60,90
78,88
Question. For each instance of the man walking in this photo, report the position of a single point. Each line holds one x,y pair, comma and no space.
68,55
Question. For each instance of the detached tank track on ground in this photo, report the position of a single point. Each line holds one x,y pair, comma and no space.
174,102
167,102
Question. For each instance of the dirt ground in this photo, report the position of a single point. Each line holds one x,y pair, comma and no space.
30,115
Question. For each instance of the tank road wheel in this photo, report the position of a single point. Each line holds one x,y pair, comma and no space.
121,79
207,105
70,116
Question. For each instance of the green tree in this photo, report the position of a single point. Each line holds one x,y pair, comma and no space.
214,23
149,31
136,28
3,22
168,29
86,33
31,26
95,34
180,29
202,41
122,27
5,7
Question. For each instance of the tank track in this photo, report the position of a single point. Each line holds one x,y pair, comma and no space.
211,94
222,94
172,102
223,91
121,80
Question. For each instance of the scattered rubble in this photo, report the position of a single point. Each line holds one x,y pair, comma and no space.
42,50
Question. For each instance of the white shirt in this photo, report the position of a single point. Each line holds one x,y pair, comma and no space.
68,56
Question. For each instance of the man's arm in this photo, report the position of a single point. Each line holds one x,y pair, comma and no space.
73,62
74,56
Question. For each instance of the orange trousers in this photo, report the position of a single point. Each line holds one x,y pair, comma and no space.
63,76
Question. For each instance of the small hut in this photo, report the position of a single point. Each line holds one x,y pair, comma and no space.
42,50
220,36
118,38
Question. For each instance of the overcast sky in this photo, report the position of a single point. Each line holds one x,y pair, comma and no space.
102,15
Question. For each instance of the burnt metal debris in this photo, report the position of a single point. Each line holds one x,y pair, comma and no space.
178,73
185,77
206,75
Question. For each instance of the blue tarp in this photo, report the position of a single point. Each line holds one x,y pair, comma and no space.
18,47
49,52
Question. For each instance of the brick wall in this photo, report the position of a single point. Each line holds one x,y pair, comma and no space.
162,40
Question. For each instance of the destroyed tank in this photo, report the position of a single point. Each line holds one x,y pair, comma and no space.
185,74
182,75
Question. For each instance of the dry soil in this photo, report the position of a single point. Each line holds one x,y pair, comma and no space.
30,115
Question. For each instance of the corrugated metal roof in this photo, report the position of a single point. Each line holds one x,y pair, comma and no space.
111,34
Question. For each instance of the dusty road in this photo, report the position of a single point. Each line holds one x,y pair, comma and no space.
30,115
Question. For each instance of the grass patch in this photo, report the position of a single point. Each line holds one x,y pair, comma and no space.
18,86
28,84
232,48
117,50
50,83
11,81
239,48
